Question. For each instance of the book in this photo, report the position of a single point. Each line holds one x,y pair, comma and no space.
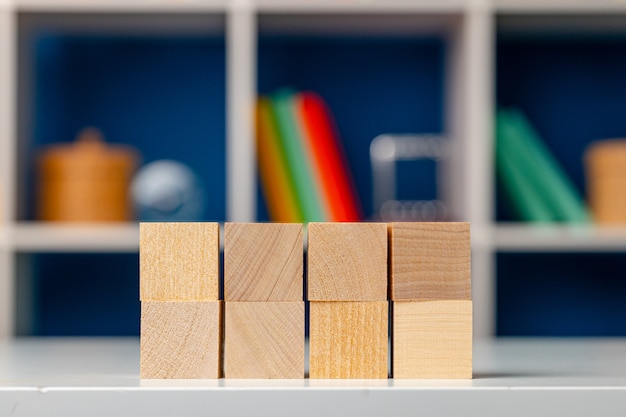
298,163
328,157
532,160
278,186
524,197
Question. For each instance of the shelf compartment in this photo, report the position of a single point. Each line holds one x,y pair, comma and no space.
77,294
158,88
378,74
561,294
565,73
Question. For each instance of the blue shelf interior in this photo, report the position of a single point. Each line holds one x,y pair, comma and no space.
373,85
561,294
573,90
85,294
163,95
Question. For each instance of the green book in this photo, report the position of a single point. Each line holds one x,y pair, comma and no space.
297,161
526,201
542,170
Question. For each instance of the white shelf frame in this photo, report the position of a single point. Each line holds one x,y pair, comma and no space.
240,98
568,7
120,6
7,162
469,29
556,238
40,237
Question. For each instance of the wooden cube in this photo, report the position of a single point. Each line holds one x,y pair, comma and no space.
432,339
348,339
263,262
180,339
347,262
179,261
264,340
430,261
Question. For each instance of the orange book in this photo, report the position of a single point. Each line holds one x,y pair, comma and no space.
276,182
329,159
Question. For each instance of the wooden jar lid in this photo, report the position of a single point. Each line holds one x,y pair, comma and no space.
89,155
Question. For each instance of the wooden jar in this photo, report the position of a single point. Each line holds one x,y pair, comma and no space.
85,181
605,165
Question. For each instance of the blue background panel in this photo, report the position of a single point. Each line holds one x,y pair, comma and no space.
164,96
85,294
372,86
561,294
573,90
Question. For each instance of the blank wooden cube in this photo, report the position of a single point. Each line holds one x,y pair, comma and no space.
180,339
432,339
264,340
347,262
430,261
348,339
179,261
263,262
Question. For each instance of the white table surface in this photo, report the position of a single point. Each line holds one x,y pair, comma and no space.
514,377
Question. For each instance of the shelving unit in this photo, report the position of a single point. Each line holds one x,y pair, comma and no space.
467,28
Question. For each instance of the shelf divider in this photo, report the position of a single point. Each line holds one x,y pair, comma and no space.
240,98
58,237
7,163
520,237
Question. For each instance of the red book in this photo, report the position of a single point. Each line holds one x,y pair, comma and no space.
329,159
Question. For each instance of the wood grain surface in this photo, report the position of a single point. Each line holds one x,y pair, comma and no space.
347,262
263,262
432,339
179,261
264,340
430,261
180,340
348,339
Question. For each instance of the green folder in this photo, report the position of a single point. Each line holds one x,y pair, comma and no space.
542,170
526,201
297,161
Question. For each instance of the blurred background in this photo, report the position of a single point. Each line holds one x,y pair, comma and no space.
508,116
